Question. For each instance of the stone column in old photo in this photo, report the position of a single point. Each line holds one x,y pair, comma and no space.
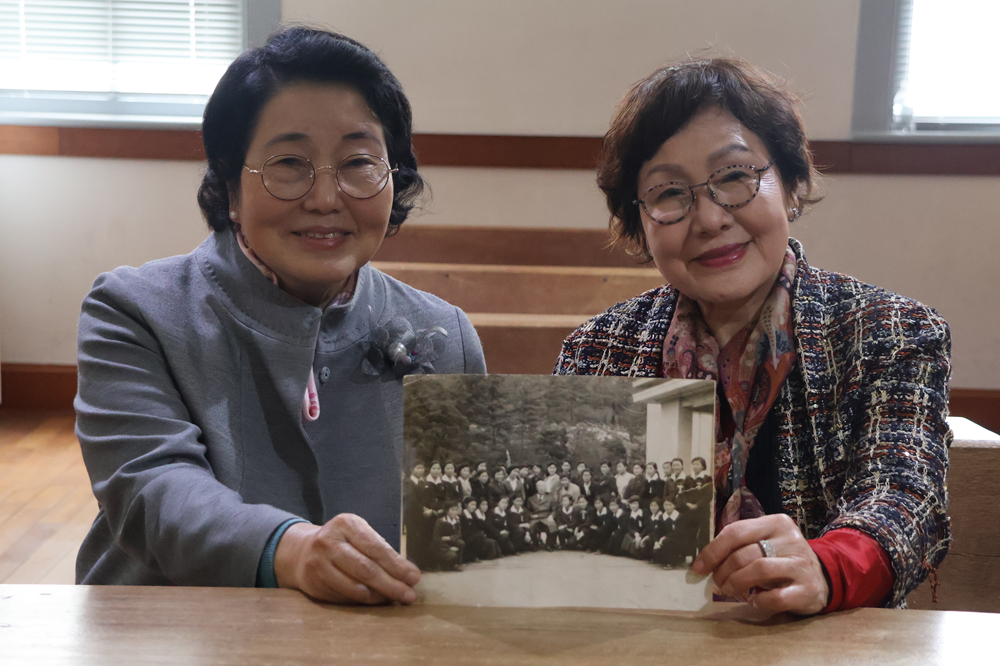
680,418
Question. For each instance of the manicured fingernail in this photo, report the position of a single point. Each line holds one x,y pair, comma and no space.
716,590
409,597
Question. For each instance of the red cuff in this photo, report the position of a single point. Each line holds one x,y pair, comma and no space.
857,568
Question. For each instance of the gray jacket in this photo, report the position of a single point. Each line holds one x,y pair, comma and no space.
192,373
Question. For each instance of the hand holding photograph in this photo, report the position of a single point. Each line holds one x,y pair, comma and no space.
551,491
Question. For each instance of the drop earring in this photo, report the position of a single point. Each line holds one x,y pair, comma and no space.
795,214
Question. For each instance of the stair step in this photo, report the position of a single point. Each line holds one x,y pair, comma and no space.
557,290
504,245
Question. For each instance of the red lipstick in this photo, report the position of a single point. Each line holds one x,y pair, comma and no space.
726,255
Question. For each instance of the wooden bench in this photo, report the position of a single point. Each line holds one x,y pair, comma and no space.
970,574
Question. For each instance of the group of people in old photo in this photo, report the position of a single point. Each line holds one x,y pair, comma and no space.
455,514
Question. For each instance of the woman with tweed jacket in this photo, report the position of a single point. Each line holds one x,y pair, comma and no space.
832,445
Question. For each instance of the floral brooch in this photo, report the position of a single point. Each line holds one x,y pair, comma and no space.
397,348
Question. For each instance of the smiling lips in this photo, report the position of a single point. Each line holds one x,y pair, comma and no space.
722,256
321,239
320,234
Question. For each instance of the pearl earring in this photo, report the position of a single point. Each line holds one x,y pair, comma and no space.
232,215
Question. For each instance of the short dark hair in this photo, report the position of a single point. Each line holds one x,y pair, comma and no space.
660,105
294,55
704,465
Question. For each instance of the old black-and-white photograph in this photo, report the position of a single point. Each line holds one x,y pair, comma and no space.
529,490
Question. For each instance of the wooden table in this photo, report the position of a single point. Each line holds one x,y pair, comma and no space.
122,625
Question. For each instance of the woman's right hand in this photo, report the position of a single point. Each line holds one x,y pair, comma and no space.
344,561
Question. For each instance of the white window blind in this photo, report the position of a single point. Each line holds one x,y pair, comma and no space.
118,46
944,70
114,62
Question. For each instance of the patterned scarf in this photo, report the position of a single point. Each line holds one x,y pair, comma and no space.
751,368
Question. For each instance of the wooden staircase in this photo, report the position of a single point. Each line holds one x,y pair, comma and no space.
524,290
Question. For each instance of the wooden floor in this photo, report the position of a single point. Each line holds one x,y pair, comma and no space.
46,505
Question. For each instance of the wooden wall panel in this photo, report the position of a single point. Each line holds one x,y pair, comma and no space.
531,152
979,405
20,140
926,159
131,143
831,156
30,386
506,151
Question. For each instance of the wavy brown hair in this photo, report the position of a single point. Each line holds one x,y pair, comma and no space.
659,106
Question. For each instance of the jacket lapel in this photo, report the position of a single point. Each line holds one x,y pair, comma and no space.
649,353
815,354
817,373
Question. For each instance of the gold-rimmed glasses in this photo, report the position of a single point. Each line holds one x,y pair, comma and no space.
730,187
291,177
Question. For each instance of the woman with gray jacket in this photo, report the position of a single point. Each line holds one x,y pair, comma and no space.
240,407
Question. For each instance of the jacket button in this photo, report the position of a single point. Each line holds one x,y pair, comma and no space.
324,375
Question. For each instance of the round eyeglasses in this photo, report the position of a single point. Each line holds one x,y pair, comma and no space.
730,187
291,177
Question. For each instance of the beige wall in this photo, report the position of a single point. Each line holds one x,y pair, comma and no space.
528,67
559,66
65,220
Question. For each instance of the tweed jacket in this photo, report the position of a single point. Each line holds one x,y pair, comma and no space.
192,371
861,431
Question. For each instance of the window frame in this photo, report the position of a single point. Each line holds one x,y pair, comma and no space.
875,83
134,111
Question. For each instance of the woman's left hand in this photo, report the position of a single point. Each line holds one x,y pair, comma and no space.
792,580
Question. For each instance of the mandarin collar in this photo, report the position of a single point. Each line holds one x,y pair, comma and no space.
259,304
